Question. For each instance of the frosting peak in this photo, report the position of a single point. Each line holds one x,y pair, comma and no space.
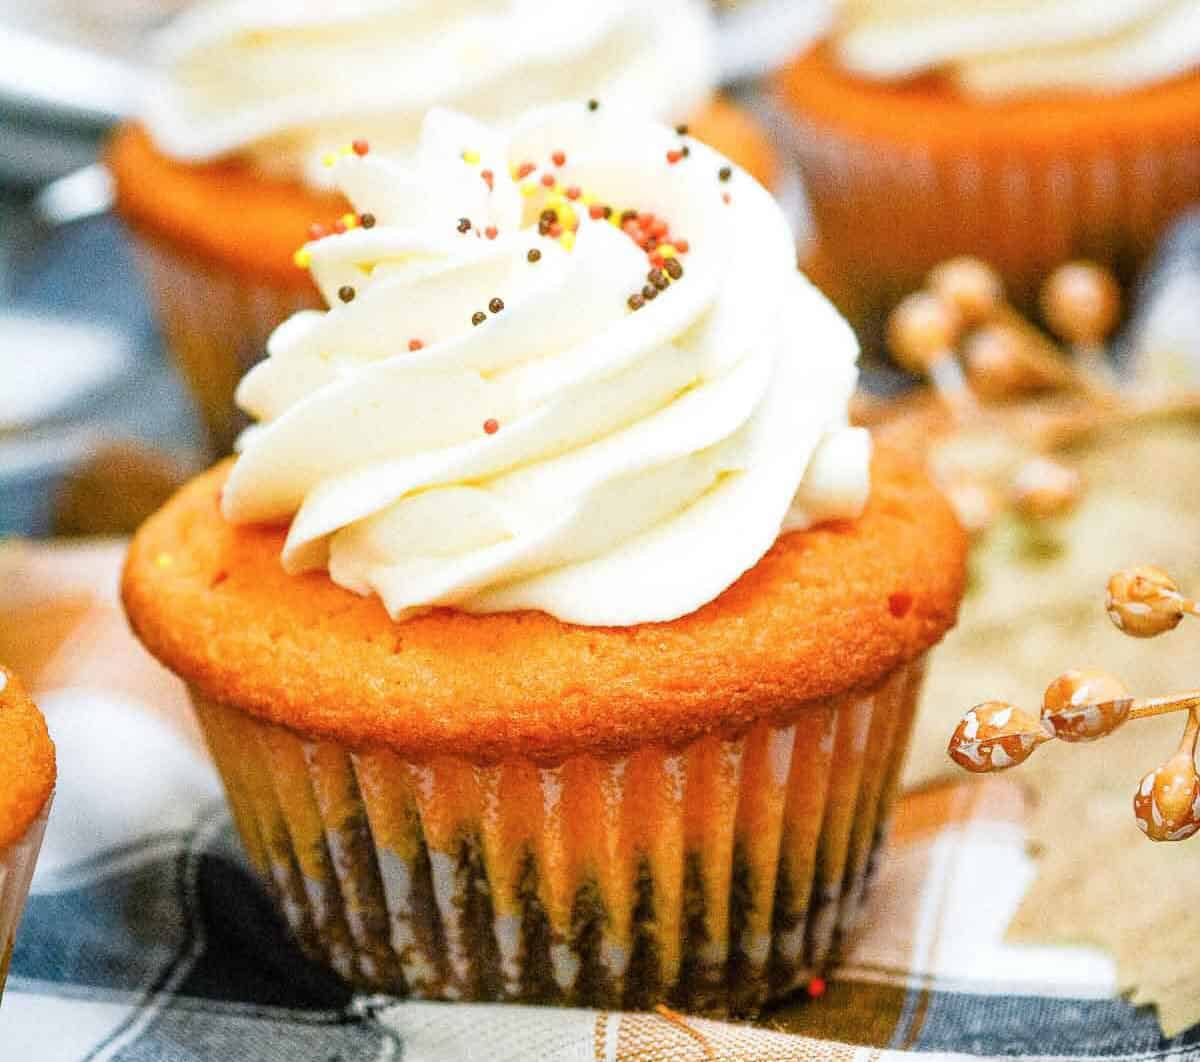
281,84
1014,47
572,368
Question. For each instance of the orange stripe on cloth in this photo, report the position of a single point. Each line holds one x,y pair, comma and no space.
675,1038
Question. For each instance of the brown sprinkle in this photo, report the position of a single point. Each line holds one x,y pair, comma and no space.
674,268
367,221
636,302
464,224
658,278
534,255
478,317
725,172
346,293
496,305
649,292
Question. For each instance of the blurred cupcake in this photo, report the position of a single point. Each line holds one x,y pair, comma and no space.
589,666
223,176
27,776
1023,131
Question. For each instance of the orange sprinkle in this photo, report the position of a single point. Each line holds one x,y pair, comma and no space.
674,155
573,191
682,246
559,158
548,180
491,425
415,344
488,178
595,211
339,226
360,147
490,232
316,231
816,987
524,170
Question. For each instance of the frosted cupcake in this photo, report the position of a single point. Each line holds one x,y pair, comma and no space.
556,637
27,774
223,176
1026,132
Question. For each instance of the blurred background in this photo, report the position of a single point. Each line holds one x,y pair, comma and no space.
88,397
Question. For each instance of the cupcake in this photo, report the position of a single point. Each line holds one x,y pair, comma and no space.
1025,132
27,776
556,637
223,176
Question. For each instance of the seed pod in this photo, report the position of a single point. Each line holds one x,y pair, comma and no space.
1167,803
1081,302
1144,601
1085,705
970,285
922,329
993,736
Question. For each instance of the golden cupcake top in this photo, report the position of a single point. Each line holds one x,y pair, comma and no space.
212,602
27,764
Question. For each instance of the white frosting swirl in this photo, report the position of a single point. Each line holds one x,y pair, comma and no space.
640,462
996,48
284,83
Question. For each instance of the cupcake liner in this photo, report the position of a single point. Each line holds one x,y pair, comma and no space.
17,862
886,213
216,324
713,876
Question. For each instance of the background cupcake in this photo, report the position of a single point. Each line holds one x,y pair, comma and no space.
224,176
589,666
1026,133
27,774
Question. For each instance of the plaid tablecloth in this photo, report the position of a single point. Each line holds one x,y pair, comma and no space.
147,939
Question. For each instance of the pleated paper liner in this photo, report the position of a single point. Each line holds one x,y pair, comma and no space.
17,862
216,324
885,214
713,876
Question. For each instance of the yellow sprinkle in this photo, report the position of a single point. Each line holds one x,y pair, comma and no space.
302,258
164,560
528,189
471,157
349,220
667,250
567,239
587,200
568,217
329,159
554,201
